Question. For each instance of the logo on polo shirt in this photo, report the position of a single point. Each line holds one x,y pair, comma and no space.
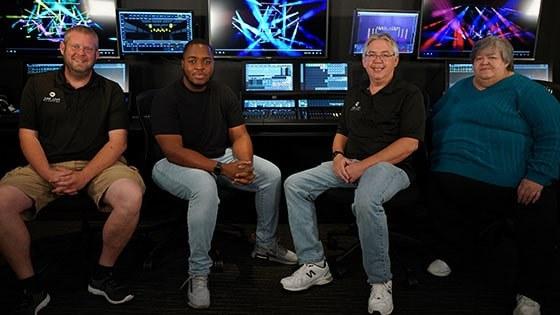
51,98
356,107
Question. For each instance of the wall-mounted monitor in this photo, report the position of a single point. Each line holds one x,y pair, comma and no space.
268,77
401,25
266,29
117,71
154,32
535,71
35,28
324,77
449,29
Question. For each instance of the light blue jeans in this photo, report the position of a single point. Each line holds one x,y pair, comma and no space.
200,188
377,185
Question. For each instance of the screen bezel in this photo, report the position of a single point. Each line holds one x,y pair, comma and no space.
325,55
354,28
152,53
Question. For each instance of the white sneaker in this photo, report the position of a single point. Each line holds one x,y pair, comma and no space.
381,298
277,254
306,276
526,306
439,268
198,295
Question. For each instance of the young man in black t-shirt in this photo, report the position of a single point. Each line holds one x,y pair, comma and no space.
199,127
73,131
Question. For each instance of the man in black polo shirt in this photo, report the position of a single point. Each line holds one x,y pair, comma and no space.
73,131
382,124
199,126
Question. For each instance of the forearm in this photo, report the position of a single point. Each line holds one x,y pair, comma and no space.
190,158
33,152
243,148
110,153
393,153
339,142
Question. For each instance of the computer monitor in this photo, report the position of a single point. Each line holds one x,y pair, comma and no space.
401,25
535,71
268,103
36,28
269,77
322,103
266,29
324,77
154,32
117,72
449,29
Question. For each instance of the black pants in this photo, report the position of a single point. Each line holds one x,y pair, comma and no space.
463,209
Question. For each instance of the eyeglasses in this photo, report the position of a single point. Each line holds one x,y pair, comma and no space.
87,50
382,56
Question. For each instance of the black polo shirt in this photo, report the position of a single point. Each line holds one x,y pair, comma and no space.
201,118
372,122
72,124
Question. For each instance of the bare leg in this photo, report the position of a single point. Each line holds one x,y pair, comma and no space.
14,236
125,197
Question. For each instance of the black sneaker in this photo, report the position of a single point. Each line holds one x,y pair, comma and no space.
32,303
114,292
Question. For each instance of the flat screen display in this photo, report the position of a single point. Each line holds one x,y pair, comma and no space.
322,103
261,29
534,71
324,77
117,72
249,104
401,25
35,28
450,28
154,32
269,77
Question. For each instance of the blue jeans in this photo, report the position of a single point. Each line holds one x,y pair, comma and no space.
200,188
377,185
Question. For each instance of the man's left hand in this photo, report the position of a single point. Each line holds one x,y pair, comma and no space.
355,170
70,184
528,191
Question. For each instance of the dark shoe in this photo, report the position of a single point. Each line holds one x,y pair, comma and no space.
114,292
32,303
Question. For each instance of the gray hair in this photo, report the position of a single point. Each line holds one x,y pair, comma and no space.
501,44
80,29
383,36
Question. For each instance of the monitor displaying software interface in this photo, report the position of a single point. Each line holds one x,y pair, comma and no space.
324,76
313,103
269,77
154,32
117,72
253,104
537,71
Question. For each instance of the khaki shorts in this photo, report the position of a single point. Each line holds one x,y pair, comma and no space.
39,190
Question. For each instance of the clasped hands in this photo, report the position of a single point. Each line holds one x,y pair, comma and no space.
349,170
240,172
65,181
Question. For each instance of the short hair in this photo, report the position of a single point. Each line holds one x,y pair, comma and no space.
501,44
198,41
81,29
383,36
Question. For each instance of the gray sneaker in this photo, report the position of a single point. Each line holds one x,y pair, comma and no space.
277,254
197,291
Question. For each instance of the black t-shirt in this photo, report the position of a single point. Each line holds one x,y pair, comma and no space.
72,124
372,122
201,118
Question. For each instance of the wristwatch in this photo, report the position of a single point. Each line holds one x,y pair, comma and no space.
218,168
335,153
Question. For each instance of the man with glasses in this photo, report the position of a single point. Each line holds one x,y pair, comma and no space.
381,125
198,124
73,132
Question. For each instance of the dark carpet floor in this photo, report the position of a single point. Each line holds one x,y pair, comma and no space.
249,287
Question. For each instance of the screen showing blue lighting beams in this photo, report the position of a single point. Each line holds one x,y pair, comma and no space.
534,71
154,32
401,25
324,77
261,29
269,77
117,72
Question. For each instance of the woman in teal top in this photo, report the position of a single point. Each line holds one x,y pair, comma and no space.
496,155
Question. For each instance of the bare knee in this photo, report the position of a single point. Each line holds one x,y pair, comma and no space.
125,196
13,202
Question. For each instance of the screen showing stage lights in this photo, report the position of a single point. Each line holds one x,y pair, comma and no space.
324,77
36,27
269,77
266,29
401,25
154,32
117,72
534,71
450,28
